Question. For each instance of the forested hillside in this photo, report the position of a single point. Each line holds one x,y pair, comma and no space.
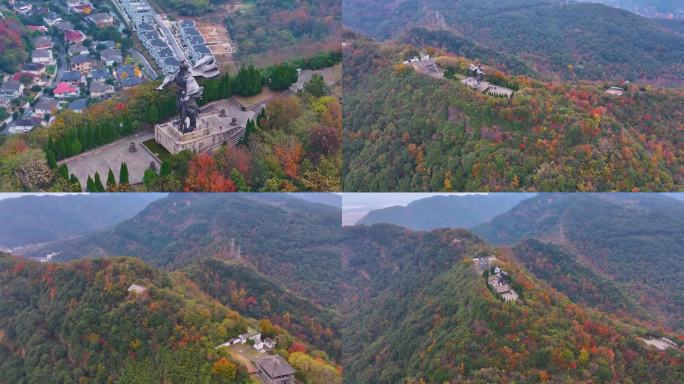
289,240
429,317
77,323
38,219
267,32
241,286
559,39
405,131
635,240
445,211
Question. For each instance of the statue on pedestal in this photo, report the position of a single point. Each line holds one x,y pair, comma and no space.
188,90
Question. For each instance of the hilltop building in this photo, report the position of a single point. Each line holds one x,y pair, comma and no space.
274,369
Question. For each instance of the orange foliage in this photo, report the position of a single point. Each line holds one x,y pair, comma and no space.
203,176
289,155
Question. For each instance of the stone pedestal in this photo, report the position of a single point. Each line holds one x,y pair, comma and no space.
212,131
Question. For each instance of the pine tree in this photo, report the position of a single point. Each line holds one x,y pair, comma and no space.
111,181
52,161
225,87
75,183
63,172
90,185
98,183
152,115
165,169
123,174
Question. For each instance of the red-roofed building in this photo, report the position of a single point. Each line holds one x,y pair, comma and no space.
73,36
65,90
17,76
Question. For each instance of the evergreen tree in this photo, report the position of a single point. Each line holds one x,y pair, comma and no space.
282,76
52,161
75,183
90,185
111,181
316,87
225,87
63,152
248,81
123,174
98,183
249,129
63,172
149,178
152,114
165,169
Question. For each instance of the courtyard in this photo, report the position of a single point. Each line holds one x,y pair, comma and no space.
110,156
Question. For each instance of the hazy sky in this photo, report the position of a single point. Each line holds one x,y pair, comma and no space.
356,205
10,195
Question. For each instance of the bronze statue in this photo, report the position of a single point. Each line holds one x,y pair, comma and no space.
188,90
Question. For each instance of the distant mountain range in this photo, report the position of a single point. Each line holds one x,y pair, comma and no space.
560,39
34,219
446,211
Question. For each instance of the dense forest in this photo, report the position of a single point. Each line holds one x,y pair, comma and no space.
404,131
273,31
565,40
633,240
428,317
77,323
289,240
13,45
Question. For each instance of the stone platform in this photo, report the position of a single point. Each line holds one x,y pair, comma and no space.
214,128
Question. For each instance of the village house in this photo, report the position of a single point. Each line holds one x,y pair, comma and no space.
64,26
34,68
615,91
105,44
273,369
78,105
73,36
77,49
500,283
102,19
43,42
66,90
24,125
269,343
41,56
45,106
101,75
111,56
12,89
23,8
52,19
27,77
74,78
129,76
136,289
99,89
82,63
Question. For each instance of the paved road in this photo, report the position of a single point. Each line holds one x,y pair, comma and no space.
170,39
61,68
151,74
